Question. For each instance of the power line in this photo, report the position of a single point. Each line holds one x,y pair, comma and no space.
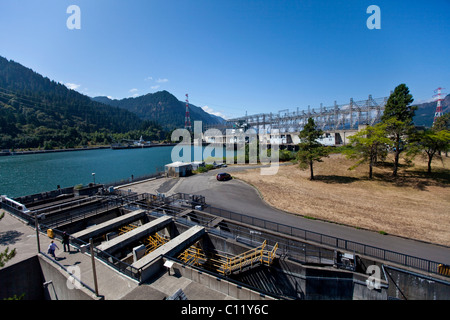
14,95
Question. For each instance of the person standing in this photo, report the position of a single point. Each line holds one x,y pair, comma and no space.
51,249
66,241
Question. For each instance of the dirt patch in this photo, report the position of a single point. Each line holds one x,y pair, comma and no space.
414,205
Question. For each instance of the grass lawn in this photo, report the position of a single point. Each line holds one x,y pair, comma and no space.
414,205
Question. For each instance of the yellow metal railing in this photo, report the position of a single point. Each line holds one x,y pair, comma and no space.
193,255
444,269
250,258
226,264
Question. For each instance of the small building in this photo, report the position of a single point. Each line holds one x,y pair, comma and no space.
178,169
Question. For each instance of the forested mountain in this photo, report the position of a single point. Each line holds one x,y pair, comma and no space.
163,108
38,112
425,112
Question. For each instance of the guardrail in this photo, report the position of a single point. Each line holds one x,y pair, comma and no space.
158,174
337,243
105,257
315,237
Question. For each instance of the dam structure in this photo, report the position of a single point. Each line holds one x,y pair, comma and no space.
283,127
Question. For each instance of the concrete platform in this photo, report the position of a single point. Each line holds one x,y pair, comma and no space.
166,285
109,225
172,247
16,234
112,285
133,235
153,263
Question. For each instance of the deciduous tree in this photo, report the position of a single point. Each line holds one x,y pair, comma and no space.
367,145
432,142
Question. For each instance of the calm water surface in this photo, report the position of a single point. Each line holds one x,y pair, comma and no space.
29,174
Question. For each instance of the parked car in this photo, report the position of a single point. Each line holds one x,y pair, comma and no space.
223,176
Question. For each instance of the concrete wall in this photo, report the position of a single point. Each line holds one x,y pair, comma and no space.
59,290
28,277
218,284
416,287
24,277
298,281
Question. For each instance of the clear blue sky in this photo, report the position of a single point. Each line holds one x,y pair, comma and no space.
234,56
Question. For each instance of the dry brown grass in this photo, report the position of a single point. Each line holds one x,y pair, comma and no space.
414,205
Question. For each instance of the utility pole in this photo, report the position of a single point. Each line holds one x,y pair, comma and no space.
91,242
36,224
187,120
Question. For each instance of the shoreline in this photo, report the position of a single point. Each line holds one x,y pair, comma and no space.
20,153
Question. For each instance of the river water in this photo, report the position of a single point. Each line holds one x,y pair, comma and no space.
30,174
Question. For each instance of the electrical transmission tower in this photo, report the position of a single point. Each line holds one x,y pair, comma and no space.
439,103
187,121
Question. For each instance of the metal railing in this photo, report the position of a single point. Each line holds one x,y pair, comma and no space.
105,257
158,174
304,253
80,214
338,243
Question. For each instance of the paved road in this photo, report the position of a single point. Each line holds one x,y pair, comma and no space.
240,197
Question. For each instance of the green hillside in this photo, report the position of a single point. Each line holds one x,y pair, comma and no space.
38,112
163,108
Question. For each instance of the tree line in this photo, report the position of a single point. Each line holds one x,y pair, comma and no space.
395,133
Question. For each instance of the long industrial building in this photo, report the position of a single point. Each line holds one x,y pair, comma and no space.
337,121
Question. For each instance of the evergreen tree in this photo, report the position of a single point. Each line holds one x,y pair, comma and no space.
310,150
398,117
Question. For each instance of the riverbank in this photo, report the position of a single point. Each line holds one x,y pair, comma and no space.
31,173
19,153
26,152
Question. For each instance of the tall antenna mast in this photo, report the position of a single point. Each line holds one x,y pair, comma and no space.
187,120
439,103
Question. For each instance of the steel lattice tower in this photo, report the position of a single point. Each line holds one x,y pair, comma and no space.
187,120
439,103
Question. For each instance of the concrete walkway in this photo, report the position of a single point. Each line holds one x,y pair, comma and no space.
15,234
111,284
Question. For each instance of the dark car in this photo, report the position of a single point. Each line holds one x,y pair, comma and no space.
223,176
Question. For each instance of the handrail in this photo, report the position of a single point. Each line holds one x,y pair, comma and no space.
65,205
250,257
104,256
338,243
69,273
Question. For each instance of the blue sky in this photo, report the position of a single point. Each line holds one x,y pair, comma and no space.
234,56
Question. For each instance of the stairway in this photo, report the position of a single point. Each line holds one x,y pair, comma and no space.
249,259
